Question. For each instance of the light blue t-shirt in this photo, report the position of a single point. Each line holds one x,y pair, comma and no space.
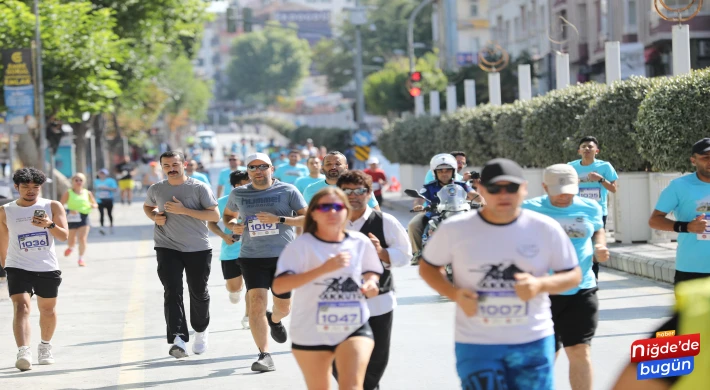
312,189
430,177
200,176
228,252
105,189
688,197
289,174
579,220
302,182
223,179
595,190
279,162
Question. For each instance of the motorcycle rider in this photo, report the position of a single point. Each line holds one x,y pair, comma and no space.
443,165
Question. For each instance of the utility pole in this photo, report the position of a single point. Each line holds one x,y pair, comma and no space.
40,97
410,33
359,17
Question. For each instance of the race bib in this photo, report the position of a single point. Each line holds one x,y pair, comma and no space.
706,234
501,308
258,229
104,194
73,217
591,193
339,317
33,242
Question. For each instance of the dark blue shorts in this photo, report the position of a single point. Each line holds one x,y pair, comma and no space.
507,367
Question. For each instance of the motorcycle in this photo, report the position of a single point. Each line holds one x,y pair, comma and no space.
452,201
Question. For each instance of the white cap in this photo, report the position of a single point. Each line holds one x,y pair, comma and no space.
561,179
258,156
373,160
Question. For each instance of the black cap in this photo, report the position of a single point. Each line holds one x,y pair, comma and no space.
702,146
502,169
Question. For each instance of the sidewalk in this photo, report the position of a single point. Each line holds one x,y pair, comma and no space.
653,261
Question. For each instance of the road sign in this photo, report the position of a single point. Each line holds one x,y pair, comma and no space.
362,138
362,153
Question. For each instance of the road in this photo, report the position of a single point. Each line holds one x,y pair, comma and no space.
111,328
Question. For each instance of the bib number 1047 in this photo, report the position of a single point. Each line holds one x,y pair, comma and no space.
339,316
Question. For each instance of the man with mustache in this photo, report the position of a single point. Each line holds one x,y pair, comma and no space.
181,207
266,207
334,165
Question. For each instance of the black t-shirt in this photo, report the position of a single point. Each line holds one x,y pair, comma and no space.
124,170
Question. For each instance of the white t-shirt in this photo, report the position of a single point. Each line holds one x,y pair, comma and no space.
330,308
484,258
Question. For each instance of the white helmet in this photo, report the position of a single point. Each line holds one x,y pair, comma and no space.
443,161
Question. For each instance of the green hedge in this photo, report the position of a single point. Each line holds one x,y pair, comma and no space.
672,118
641,124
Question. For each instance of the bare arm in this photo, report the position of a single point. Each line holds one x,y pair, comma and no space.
289,282
150,211
627,381
230,217
94,203
599,237
610,186
59,218
220,188
299,220
658,221
561,281
209,215
65,198
4,237
433,276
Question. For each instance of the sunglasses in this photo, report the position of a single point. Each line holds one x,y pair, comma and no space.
511,188
356,191
327,207
261,167
232,159
78,180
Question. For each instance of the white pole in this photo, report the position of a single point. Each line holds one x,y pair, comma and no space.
681,49
524,82
451,99
494,88
562,65
434,108
613,61
469,88
419,105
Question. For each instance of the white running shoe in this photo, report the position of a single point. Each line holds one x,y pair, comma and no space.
200,344
44,354
24,359
245,322
235,297
179,349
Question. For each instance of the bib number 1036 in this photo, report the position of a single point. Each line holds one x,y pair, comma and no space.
339,316
38,241
501,309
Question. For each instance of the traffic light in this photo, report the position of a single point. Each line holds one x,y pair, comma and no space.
415,88
231,20
247,17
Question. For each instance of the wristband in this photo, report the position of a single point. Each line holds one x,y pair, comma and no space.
601,181
680,227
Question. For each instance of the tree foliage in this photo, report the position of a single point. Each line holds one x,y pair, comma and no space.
266,64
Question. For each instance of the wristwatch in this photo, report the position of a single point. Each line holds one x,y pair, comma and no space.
602,180
282,219
52,226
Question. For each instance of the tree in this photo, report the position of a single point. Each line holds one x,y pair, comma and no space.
386,91
385,37
266,64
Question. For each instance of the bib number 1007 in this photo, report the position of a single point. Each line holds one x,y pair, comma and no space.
501,309
38,241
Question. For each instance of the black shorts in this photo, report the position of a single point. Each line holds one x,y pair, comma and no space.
77,225
230,269
363,331
44,284
259,273
682,276
576,317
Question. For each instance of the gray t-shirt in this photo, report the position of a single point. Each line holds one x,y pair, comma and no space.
265,240
181,232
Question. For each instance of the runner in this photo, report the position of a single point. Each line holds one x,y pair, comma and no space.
460,165
379,178
28,228
334,165
152,176
125,171
332,271
688,198
192,172
393,249
181,207
501,256
292,171
106,188
79,203
574,312
597,178
223,180
231,244
266,206
314,174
